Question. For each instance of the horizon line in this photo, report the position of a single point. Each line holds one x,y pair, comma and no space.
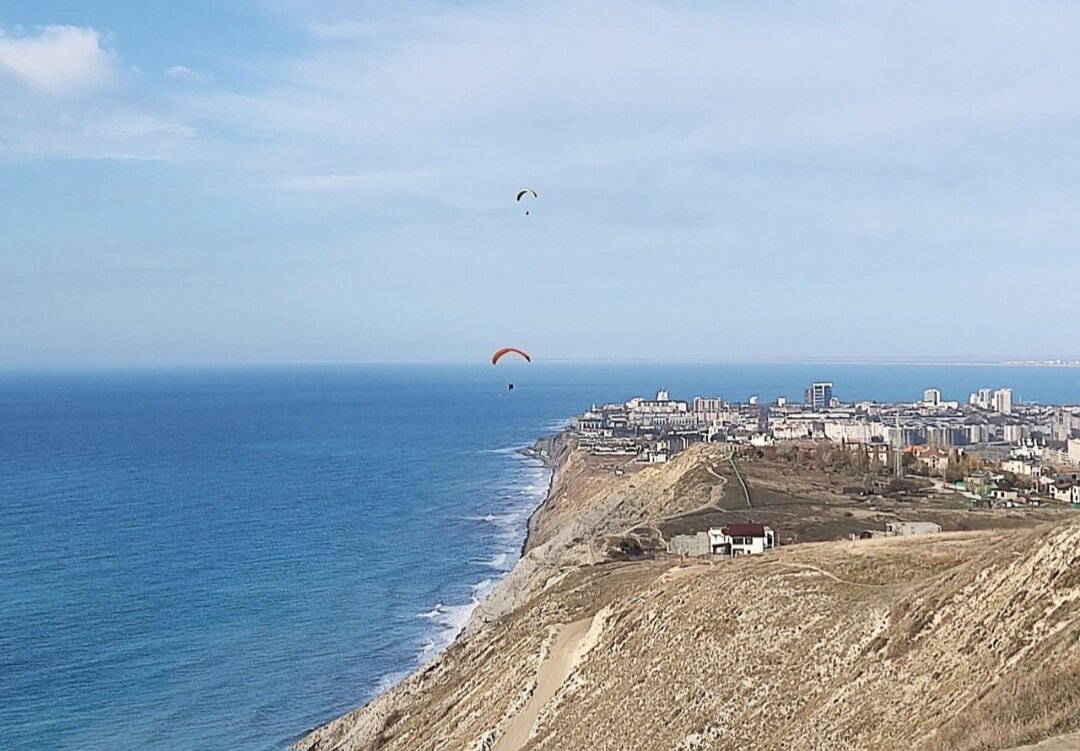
910,360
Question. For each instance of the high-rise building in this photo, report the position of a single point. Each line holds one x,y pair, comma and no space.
1073,449
977,433
1012,433
819,395
1003,401
931,397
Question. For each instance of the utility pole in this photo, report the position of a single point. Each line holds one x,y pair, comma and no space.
898,464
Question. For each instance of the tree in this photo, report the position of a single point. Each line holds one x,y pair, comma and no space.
954,469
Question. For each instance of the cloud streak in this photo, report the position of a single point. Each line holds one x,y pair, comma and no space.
184,73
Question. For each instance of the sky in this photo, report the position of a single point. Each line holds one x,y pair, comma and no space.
279,181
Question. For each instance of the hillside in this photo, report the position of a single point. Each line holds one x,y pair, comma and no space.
964,640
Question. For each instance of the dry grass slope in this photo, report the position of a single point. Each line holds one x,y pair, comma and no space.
954,641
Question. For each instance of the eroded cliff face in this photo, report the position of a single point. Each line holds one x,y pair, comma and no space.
964,640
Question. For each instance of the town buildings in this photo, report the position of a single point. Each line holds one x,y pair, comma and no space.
819,396
1032,439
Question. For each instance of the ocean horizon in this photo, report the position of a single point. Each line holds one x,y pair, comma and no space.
228,557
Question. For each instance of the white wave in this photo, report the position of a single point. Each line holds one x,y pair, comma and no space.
504,450
449,622
388,681
499,561
482,588
434,613
513,503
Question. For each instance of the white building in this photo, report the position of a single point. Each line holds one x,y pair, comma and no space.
708,409
741,539
659,411
852,431
819,395
977,433
1013,433
1022,467
905,529
1003,401
1074,451
931,397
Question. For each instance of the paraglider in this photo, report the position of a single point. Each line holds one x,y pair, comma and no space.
526,192
501,353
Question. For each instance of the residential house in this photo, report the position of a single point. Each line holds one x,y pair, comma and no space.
741,539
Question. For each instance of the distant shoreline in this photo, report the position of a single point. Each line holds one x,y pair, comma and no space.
12,370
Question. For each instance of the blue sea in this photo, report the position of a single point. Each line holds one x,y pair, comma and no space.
224,558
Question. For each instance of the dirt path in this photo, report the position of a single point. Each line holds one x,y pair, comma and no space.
834,577
716,493
552,674
738,474
1069,742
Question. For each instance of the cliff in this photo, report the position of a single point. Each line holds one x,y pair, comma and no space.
956,641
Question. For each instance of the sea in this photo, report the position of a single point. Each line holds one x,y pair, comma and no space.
225,558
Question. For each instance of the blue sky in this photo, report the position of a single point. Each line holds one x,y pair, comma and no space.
279,181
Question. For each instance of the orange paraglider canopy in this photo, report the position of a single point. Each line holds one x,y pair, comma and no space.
507,350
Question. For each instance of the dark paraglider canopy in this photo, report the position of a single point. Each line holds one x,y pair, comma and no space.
499,354
526,192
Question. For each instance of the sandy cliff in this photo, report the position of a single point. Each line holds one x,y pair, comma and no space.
956,641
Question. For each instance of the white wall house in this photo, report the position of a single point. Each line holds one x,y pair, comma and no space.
741,539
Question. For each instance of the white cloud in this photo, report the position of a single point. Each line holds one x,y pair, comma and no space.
58,59
184,73
65,93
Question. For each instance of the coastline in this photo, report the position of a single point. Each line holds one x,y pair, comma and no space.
547,450
590,637
552,451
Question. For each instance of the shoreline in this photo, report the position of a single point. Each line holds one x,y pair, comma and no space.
450,631
554,656
548,455
544,449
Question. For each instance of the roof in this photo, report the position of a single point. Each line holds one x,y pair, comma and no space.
745,530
